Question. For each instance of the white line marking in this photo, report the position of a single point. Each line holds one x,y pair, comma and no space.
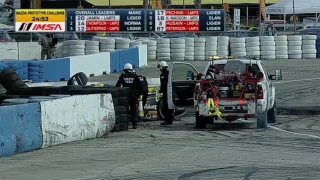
302,134
296,80
282,130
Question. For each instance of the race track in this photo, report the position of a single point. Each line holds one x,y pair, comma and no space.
288,150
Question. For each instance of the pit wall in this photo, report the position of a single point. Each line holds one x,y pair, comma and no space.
62,69
35,125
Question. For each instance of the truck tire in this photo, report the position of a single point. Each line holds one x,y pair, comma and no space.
200,121
262,119
272,114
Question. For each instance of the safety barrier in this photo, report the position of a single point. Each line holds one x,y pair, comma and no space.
62,69
52,120
264,47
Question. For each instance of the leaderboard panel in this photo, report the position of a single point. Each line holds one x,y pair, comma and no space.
185,20
105,20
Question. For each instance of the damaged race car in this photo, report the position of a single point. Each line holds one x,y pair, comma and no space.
228,89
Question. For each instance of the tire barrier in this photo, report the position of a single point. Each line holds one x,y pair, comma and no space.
163,49
253,47
26,50
189,51
294,47
199,49
238,47
151,49
267,47
92,47
281,47
77,48
309,50
46,121
122,43
211,46
178,48
92,64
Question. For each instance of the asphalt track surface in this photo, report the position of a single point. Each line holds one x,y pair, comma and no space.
287,150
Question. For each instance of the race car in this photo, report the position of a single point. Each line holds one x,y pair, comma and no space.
259,102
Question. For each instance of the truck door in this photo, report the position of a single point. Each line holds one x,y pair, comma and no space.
181,83
269,86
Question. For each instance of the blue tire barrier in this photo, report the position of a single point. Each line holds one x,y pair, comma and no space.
33,68
41,75
34,73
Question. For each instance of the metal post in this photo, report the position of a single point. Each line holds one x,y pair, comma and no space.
184,5
294,16
222,2
109,4
247,15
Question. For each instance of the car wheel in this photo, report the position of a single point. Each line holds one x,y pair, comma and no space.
200,122
272,114
262,120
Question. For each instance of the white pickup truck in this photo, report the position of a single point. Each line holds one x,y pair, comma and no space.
181,93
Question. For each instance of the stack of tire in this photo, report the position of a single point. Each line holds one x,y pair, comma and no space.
163,49
200,49
35,72
135,43
211,47
120,103
122,43
189,51
2,67
151,48
295,47
107,44
223,46
91,47
77,47
309,50
267,47
253,47
17,66
281,47
177,49
318,46
10,81
66,48
238,47
25,70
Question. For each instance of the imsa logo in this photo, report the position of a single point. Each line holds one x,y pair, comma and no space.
40,27
25,27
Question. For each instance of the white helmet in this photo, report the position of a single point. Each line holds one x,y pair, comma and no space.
162,64
128,66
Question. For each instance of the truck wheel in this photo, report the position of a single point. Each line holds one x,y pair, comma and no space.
200,121
272,114
262,120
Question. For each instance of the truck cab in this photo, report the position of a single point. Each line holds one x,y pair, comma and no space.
185,76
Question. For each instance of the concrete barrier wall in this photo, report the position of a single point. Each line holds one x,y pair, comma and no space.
31,126
62,69
76,118
20,128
